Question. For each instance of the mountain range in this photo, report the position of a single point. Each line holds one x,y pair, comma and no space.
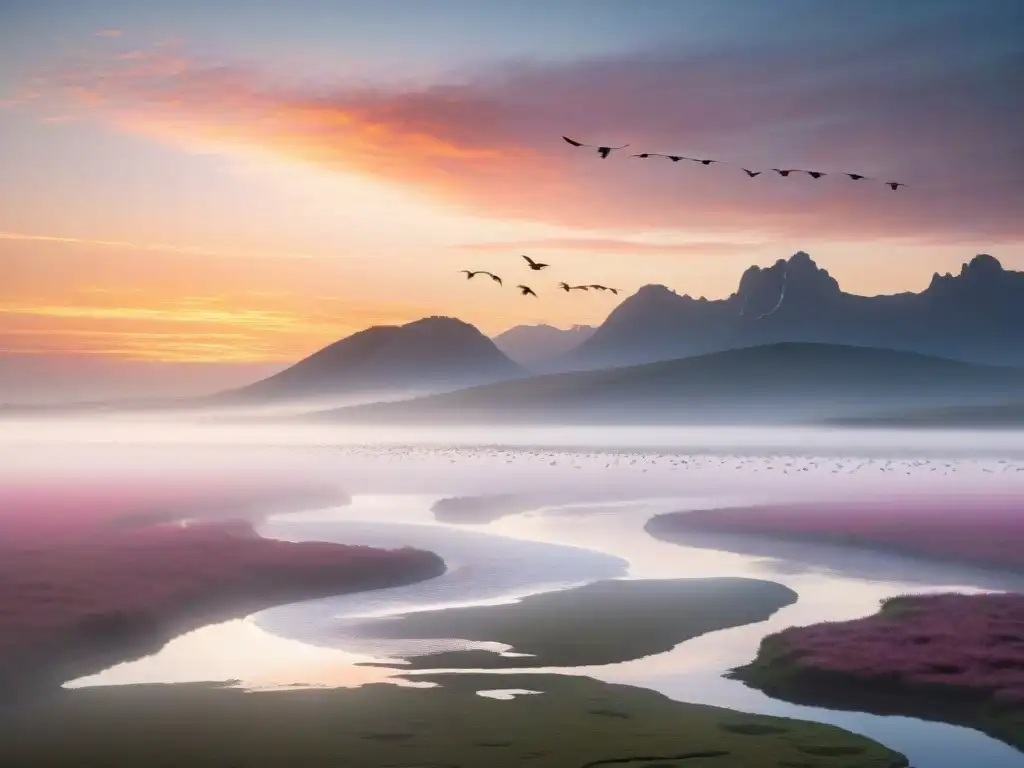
537,345
976,315
774,383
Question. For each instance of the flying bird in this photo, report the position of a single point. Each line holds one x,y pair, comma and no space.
815,174
702,162
470,274
535,265
894,185
855,176
602,151
784,171
673,158
604,288
752,174
526,290
566,287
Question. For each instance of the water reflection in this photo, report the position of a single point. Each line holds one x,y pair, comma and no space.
242,652
551,548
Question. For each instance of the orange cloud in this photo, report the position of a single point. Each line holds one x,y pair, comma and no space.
492,146
243,327
193,250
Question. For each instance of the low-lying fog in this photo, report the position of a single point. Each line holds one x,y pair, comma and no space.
464,460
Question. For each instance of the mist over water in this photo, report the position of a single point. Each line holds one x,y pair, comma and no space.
759,463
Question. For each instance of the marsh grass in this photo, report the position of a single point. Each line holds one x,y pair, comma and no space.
565,726
605,622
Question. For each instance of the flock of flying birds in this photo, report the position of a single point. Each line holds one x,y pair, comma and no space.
536,266
603,152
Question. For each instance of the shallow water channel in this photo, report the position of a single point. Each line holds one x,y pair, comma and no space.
552,548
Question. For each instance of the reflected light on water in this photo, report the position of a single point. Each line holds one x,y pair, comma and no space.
240,651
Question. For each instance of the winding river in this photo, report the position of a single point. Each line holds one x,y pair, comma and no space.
552,548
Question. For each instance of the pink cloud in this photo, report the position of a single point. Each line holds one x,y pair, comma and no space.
491,145
612,245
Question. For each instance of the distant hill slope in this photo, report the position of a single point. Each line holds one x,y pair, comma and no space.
987,416
777,383
974,316
426,355
532,344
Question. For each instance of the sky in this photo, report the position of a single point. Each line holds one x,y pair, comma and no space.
205,188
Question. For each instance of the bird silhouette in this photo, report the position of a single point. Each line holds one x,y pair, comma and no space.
752,174
702,162
470,274
855,176
894,185
566,287
784,171
815,174
673,158
597,287
526,290
602,151
535,265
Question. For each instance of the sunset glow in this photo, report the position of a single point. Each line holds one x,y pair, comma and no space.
182,188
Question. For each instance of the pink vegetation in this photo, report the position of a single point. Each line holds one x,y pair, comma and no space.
156,570
35,510
972,643
987,531
68,578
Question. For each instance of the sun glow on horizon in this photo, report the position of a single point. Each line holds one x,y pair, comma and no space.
180,196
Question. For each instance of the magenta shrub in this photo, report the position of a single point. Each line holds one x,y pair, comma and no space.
967,641
65,572
987,531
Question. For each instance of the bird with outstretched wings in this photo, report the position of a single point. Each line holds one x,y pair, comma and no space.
602,151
